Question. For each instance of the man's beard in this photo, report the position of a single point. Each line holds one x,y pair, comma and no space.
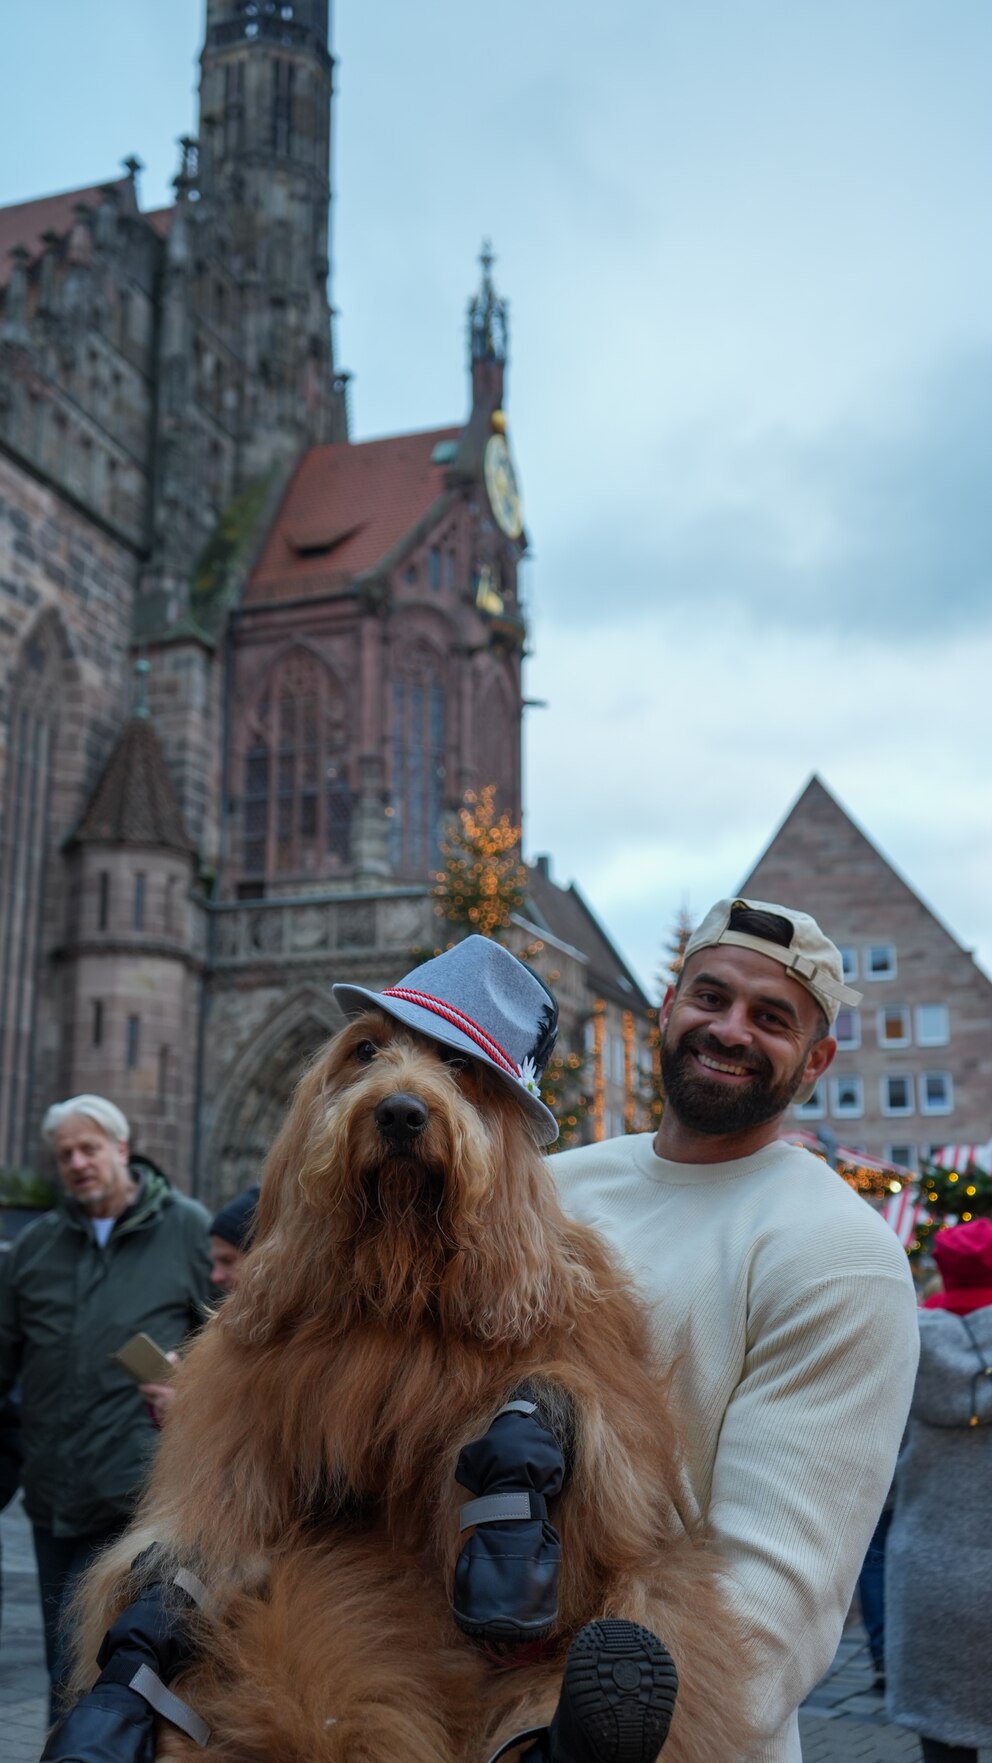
712,1106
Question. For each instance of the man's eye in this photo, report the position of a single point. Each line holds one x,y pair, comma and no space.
365,1052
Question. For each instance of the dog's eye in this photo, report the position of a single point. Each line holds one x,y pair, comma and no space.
453,1061
365,1052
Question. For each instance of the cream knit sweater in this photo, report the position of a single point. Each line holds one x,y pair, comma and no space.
792,1304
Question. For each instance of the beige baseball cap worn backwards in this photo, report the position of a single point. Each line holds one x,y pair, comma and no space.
801,948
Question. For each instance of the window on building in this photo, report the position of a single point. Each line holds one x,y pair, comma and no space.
296,801
138,912
434,567
283,73
417,763
32,735
816,1107
589,1034
847,1029
450,567
932,1025
97,1022
936,1092
103,900
849,958
133,1038
880,961
618,1060
846,1098
897,1094
904,1156
894,1028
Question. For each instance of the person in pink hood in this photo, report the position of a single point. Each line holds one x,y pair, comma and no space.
938,1640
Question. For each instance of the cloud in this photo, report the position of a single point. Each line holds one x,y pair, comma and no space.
878,528
674,744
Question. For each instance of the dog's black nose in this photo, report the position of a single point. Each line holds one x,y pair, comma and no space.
401,1116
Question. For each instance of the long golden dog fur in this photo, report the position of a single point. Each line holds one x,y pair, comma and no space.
390,1305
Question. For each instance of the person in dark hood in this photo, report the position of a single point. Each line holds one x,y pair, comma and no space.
123,1253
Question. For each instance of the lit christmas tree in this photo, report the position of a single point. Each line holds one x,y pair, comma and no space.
483,882
951,1196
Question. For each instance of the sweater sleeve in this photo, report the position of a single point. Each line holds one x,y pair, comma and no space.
805,1457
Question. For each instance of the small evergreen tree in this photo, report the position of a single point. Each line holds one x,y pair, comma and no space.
483,882
950,1196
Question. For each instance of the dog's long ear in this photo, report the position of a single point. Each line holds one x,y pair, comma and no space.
502,1286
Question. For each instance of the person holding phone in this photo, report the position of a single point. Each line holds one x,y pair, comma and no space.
123,1253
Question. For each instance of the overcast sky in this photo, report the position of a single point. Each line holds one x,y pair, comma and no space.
748,253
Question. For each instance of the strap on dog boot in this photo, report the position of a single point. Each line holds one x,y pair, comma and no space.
147,1646
506,1577
616,1704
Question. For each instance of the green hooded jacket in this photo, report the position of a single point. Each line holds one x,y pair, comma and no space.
66,1306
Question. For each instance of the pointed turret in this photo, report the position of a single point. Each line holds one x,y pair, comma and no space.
488,337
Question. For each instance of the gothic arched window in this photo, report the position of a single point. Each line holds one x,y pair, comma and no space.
296,797
31,738
498,745
417,743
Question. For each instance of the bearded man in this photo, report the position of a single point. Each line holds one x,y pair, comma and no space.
785,1299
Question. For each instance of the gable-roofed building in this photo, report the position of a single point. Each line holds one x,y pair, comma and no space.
332,632
914,1064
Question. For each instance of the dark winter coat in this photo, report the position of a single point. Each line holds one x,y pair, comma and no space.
66,1306
938,1559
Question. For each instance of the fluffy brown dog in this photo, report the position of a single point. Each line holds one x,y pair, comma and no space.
390,1305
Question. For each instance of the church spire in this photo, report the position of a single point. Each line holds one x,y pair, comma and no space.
488,336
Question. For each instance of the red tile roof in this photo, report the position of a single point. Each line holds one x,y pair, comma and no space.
347,506
25,223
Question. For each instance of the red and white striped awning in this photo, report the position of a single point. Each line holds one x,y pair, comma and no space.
905,1214
960,1156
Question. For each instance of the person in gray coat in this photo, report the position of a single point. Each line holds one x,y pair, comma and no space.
938,1640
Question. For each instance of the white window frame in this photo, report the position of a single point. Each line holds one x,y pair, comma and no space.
837,1109
904,1040
854,1043
910,1162
924,1040
926,1106
890,972
891,1113
849,962
816,1107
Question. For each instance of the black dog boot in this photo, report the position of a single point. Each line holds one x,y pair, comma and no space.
617,1697
616,1704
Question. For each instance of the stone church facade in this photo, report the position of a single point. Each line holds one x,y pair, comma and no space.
328,636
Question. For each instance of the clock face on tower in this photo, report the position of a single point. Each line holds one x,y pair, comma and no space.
501,487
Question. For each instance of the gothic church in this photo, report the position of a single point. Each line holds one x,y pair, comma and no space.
327,634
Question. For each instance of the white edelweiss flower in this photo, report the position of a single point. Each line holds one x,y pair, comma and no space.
528,1077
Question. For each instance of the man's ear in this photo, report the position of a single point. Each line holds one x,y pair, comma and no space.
819,1056
666,1006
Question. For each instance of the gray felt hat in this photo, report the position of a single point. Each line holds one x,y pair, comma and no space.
479,999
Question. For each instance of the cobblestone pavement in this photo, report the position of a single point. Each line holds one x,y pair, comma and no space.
842,1722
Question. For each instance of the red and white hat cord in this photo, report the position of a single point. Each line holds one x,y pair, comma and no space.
459,1020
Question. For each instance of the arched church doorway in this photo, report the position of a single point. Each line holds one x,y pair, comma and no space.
259,1092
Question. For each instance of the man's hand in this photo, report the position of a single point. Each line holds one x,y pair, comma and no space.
159,1396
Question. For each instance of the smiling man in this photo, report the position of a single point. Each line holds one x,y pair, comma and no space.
123,1254
785,1303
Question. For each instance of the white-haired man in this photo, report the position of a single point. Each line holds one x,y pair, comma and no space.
784,1302
123,1254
